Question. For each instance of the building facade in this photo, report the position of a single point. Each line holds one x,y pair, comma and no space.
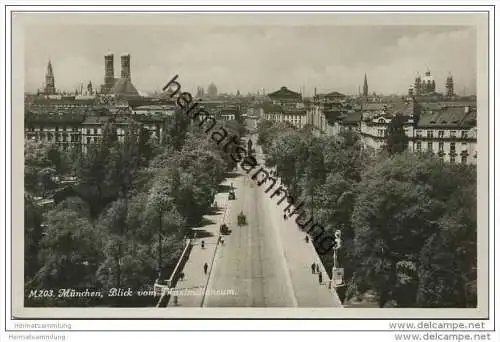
450,133
76,130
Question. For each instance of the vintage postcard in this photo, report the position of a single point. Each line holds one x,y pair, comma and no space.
250,165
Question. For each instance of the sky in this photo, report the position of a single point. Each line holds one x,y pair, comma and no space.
249,58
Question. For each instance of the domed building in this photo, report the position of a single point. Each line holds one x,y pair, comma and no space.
424,85
212,90
428,83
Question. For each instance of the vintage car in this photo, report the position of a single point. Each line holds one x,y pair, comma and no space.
224,229
242,219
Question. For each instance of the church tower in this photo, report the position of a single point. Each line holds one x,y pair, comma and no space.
365,87
50,88
449,86
417,88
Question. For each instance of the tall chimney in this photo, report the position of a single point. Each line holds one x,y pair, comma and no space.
125,62
109,71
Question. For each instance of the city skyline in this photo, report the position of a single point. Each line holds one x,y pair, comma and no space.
263,57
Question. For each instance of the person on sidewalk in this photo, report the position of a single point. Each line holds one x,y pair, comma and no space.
313,267
307,238
320,277
205,268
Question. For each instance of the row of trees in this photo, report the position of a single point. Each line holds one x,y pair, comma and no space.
123,223
408,220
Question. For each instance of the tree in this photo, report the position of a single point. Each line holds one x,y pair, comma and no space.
69,252
397,140
32,236
163,214
39,169
448,260
393,216
176,130
112,224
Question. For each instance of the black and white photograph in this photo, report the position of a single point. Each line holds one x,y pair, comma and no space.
186,165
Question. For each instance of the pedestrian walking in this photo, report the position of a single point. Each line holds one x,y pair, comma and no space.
313,267
284,216
203,244
181,276
205,268
307,238
320,277
317,268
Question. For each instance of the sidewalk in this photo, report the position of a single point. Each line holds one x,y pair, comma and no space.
195,280
299,256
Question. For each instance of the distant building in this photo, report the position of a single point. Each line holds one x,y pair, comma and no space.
374,125
200,92
324,109
449,86
450,133
277,113
109,73
212,91
285,97
72,128
50,88
120,87
428,85
365,87
285,105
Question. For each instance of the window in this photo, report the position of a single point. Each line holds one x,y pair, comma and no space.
429,146
464,134
430,134
418,133
88,131
452,147
441,134
453,134
441,146
419,145
452,160
89,140
464,159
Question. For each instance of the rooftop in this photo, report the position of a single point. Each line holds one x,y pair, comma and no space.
123,87
284,92
459,117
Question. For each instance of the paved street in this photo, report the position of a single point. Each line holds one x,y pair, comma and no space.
267,262
251,262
